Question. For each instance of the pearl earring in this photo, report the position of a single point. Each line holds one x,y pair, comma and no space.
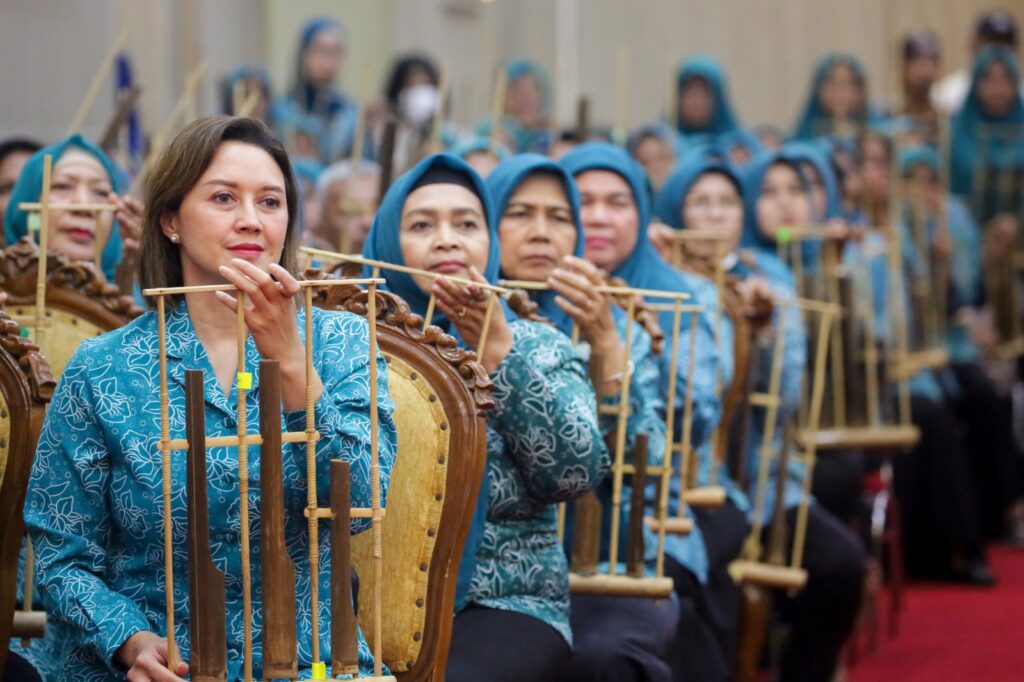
175,238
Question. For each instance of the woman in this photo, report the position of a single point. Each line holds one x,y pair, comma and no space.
988,142
654,148
703,111
614,638
81,174
543,441
525,123
838,100
222,209
247,80
482,154
615,213
314,94
822,614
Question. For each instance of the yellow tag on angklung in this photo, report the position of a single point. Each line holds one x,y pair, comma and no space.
319,671
783,235
33,222
245,380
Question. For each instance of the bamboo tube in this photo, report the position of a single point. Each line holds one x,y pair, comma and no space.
344,640
429,316
838,355
36,207
716,336
586,537
243,492
383,265
620,446
357,139
44,232
481,346
311,500
871,357
686,458
530,285
665,483
173,657
97,81
375,493
303,284
498,107
438,122
635,567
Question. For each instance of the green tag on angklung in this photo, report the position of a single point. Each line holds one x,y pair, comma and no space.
25,332
784,235
33,222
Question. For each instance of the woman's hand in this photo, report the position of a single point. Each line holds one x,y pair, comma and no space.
145,656
1000,233
662,236
129,221
270,317
466,307
943,245
758,301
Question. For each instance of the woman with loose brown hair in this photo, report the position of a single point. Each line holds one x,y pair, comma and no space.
221,210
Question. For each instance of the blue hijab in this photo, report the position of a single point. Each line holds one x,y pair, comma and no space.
740,137
969,144
753,180
723,120
383,243
478,145
524,139
813,113
29,187
644,268
668,204
304,93
503,181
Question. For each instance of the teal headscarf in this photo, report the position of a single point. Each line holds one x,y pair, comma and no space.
753,180
808,127
476,145
668,205
739,137
723,120
971,147
524,139
29,187
503,181
383,243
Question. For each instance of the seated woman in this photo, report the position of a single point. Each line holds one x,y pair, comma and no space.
222,210
525,122
822,614
614,638
82,174
703,109
837,103
615,213
544,445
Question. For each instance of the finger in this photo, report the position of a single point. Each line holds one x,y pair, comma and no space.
455,291
569,309
227,299
262,278
137,675
247,286
581,298
577,280
585,268
289,284
157,671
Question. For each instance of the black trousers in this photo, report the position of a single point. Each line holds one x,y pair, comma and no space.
821,616
995,462
838,483
935,488
504,646
620,639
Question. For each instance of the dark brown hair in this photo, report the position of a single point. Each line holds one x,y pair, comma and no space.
177,171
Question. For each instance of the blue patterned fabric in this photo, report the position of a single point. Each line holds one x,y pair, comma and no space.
94,509
544,445
29,187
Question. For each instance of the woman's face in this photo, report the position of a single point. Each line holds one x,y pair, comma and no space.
657,157
483,162
696,103
323,57
443,229
875,167
537,229
237,209
841,94
996,89
921,184
713,204
611,222
79,178
783,201
819,199
524,99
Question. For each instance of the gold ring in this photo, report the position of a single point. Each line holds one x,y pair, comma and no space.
462,312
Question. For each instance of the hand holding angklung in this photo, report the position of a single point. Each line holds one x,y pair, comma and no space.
145,656
270,318
128,215
466,307
576,282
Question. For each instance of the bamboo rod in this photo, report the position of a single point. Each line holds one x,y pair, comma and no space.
686,445
662,512
694,234
357,139
375,492
531,285
871,356
438,122
428,317
303,284
44,232
383,265
620,446
173,656
498,106
481,346
716,336
98,80
36,207
838,374
243,491
311,500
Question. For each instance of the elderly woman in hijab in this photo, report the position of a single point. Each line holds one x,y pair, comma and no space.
525,125
837,103
82,174
544,445
313,93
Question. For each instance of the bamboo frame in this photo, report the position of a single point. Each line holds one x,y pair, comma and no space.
442,101
498,106
243,439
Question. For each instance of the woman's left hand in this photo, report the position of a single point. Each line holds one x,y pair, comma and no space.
128,214
270,317
466,307
577,282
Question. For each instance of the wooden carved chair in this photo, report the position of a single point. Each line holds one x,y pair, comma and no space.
80,304
26,386
441,394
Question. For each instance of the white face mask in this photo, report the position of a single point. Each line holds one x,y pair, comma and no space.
419,103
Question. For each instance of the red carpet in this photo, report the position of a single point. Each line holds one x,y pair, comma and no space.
953,633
